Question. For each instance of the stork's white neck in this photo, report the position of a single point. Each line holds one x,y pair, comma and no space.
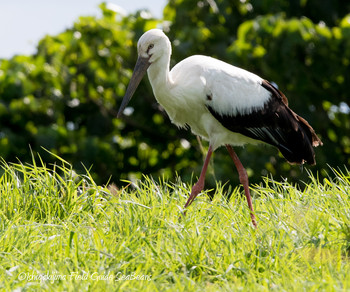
162,83
159,77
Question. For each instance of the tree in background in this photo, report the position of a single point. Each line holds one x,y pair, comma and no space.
64,98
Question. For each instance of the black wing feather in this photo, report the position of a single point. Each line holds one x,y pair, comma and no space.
275,124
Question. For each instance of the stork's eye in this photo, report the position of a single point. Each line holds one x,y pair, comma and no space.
150,46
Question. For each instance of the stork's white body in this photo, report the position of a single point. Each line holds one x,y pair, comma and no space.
198,81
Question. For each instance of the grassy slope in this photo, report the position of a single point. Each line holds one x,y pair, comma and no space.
63,226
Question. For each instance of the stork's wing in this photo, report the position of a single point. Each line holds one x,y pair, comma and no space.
274,123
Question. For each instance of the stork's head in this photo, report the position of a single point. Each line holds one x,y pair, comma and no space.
151,46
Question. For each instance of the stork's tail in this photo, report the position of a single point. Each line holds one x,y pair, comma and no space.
298,144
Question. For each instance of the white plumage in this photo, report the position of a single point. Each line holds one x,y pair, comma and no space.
199,81
223,104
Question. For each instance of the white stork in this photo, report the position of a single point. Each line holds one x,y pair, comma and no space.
223,104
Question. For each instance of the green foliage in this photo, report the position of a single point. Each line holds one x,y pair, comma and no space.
64,98
61,231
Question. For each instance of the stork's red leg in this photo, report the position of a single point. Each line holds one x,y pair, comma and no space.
243,178
196,189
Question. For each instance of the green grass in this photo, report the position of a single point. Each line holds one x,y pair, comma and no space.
61,232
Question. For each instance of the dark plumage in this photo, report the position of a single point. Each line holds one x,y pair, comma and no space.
275,124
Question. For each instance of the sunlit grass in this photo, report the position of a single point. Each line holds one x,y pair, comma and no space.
60,231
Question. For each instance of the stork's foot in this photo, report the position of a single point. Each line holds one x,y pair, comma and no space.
182,215
243,178
196,189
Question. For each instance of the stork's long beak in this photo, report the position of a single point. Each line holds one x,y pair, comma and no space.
140,69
